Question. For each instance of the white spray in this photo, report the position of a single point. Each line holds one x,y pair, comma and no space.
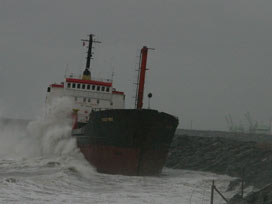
53,130
47,136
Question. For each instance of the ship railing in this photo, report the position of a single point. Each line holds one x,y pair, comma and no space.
76,76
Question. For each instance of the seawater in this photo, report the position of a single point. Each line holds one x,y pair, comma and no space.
40,163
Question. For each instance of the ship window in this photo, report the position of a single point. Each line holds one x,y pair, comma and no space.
48,89
74,85
78,86
83,86
89,100
88,86
97,101
69,85
98,88
103,88
93,87
84,99
107,89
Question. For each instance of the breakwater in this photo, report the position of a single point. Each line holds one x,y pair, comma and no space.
234,154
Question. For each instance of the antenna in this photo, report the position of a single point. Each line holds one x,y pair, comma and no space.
66,70
86,73
112,75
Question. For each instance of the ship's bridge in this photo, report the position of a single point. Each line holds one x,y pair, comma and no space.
87,95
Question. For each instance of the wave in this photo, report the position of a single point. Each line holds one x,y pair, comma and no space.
48,136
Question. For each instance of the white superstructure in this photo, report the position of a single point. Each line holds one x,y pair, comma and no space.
87,95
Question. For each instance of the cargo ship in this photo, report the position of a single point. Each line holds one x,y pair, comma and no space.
113,139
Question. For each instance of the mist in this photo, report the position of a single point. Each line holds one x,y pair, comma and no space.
212,58
49,134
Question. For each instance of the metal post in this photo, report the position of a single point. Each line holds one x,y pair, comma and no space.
149,97
141,81
212,193
220,194
212,189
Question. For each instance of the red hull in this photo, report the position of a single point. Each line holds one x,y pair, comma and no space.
125,161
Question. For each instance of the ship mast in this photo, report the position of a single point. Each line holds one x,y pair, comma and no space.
141,78
87,73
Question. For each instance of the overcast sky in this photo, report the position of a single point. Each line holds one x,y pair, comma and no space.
212,57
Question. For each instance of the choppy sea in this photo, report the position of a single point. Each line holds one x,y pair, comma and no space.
40,163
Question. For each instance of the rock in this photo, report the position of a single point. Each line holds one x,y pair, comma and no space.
223,156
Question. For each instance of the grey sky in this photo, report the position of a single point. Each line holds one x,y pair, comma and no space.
212,57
